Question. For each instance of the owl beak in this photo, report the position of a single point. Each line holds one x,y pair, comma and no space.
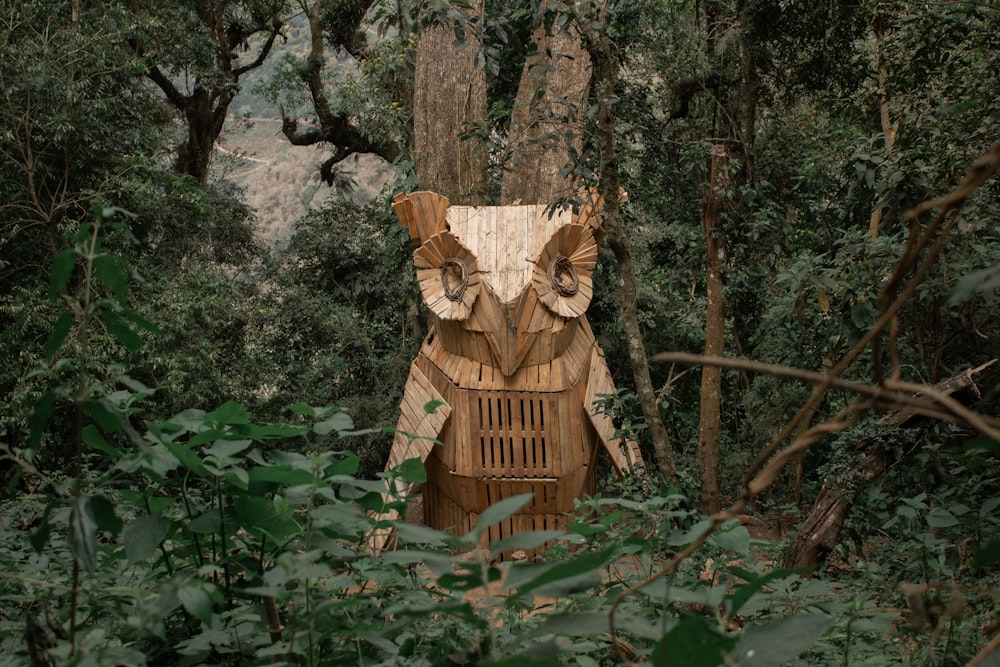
509,345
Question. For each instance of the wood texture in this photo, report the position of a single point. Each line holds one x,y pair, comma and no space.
511,355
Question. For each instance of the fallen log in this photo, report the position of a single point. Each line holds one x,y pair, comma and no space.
819,533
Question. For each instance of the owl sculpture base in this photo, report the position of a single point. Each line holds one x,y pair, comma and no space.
510,363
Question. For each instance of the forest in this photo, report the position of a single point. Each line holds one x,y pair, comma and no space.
797,295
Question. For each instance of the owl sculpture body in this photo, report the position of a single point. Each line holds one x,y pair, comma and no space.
510,361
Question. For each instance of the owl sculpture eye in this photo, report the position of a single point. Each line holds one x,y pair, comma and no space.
448,276
562,272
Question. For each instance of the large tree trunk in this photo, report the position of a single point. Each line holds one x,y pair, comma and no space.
546,122
715,336
449,93
819,533
604,84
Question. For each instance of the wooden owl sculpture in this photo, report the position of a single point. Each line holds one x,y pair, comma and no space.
511,361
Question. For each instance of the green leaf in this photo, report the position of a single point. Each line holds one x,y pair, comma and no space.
431,406
92,436
116,327
103,511
732,538
526,578
208,523
143,535
346,463
338,421
528,540
62,268
939,517
496,513
754,584
861,314
40,417
108,270
104,414
692,638
40,536
196,601
227,414
281,474
83,533
141,322
412,471
188,458
60,330
237,477
780,641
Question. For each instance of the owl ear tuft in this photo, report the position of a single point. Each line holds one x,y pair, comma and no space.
423,214
561,277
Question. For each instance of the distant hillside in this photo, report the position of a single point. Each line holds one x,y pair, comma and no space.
281,180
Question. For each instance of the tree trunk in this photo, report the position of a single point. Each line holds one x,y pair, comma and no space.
545,126
819,533
618,241
889,129
449,93
715,336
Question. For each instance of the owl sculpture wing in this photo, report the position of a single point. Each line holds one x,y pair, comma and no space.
422,418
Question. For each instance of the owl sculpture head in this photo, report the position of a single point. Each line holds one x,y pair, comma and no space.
504,284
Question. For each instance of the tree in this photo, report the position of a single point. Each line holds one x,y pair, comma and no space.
194,54
339,24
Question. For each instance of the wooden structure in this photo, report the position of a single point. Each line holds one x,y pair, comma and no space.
510,361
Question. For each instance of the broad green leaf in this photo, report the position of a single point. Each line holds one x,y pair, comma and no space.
261,515
104,414
228,413
346,463
338,421
225,451
775,643
108,270
40,536
754,584
302,409
208,523
431,406
143,535
60,330
196,601
416,534
526,578
92,436
528,540
690,535
281,474
990,504
412,471
62,269
264,432
497,512
939,517
40,417
693,642
141,322
83,533
732,538
188,458
103,511
237,476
